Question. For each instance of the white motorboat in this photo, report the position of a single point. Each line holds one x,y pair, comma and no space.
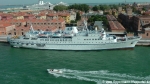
54,71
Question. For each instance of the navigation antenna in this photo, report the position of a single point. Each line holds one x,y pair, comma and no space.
31,27
85,25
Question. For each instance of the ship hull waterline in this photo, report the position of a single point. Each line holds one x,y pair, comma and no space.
109,46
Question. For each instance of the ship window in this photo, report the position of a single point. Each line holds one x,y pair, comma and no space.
46,39
25,38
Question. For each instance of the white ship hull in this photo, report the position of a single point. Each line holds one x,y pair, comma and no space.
74,46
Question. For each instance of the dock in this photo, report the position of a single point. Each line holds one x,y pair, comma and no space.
3,38
144,42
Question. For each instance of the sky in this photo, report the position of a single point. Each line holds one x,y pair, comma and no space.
12,2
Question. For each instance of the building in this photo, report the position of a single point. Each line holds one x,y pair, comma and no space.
51,16
41,16
98,25
22,26
72,16
114,25
65,16
5,29
127,21
5,16
140,21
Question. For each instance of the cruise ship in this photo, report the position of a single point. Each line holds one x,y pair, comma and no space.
40,6
72,39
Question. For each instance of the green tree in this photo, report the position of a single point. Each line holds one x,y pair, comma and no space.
104,7
72,21
144,9
78,17
94,18
115,7
134,9
60,8
95,8
82,7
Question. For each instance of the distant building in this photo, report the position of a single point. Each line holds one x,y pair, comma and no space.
120,9
129,12
72,16
5,16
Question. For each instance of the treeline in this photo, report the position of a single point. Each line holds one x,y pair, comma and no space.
82,7
60,8
85,7
105,7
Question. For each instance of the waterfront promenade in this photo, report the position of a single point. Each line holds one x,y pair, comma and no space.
144,42
3,38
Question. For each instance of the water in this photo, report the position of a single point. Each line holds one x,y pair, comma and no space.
29,66
10,6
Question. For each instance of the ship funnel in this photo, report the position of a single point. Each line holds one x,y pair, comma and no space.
74,29
95,28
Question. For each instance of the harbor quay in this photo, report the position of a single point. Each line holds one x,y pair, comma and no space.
3,38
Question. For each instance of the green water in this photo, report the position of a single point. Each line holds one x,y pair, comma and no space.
28,66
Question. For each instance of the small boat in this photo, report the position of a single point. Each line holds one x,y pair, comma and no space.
54,71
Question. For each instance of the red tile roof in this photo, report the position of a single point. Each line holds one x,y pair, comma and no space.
3,25
111,18
115,25
52,14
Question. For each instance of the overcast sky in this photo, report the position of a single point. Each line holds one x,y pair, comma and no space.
7,2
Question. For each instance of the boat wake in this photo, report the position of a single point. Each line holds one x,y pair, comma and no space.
101,76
